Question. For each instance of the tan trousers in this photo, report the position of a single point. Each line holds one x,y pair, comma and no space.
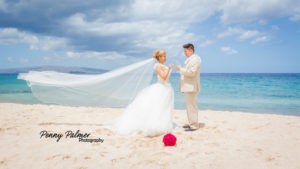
191,107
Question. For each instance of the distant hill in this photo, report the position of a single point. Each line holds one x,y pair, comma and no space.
65,69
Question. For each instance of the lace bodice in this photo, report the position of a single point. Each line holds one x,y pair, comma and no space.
159,79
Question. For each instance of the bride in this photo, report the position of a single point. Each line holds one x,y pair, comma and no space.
148,109
151,111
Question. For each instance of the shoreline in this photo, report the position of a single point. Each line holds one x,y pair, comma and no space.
226,140
200,110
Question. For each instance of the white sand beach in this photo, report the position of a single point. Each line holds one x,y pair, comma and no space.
226,140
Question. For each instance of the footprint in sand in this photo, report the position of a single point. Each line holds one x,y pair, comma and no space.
66,157
82,168
160,154
113,161
208,153
269,159
52,157
214,144
102,154
2,162
104,131
87,158
96,144
143,163
231,129
191,154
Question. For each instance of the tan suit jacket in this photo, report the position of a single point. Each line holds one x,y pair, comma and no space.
190,75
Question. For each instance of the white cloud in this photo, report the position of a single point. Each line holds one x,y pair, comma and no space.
164,24
248,34
179,11
3,5
229,32
295,18
150,34
10,59
24,60
49,43
141,25
98,55
241,33
238,11
13,36
206,43
275,28
46,58
254,35
45,43
79,24
144,24
228,50
262,21
260,39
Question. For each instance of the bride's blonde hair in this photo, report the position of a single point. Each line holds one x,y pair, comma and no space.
158,53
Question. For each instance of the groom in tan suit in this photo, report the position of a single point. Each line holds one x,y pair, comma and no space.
189,85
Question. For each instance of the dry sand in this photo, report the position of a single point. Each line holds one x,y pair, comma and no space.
227,140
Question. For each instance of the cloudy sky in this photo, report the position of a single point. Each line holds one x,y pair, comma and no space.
229,35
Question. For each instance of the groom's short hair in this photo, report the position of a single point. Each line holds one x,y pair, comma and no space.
189,46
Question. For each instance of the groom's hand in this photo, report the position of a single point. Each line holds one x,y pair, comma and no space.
178,67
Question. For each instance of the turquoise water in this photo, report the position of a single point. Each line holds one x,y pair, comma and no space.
248,92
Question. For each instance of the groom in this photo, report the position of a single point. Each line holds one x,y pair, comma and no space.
189,85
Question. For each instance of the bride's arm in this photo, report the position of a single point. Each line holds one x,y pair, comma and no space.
163,74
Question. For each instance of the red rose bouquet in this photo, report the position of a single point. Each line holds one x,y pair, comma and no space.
169,139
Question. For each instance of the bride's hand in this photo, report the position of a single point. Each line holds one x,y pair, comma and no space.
170,66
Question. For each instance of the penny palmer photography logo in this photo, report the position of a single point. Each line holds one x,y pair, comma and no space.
82,137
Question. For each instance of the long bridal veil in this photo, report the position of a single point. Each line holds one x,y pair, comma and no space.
116,88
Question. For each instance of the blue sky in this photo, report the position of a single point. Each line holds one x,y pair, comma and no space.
229,36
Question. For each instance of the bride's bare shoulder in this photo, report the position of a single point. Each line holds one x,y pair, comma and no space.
159,66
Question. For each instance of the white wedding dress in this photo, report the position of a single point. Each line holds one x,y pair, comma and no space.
150,113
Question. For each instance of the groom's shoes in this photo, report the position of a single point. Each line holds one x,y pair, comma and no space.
189,129
186,126
193,127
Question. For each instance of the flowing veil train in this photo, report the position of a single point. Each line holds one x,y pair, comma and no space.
116,88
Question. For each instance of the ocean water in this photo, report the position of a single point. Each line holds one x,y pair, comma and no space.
276,93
